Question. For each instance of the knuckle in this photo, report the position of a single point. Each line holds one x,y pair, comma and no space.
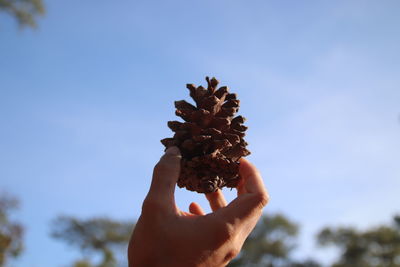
160,167
257,173
232,253
262,199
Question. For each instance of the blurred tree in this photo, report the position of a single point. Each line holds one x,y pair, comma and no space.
397,222
101,236
270,244
82,263
306,263
24,11
10,232
376,247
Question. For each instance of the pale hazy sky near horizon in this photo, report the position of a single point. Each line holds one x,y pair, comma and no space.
85,98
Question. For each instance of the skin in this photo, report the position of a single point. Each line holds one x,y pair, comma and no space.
167,236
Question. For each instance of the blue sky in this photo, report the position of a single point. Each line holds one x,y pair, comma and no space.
85,98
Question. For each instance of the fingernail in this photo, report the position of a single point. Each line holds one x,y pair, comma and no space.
173,151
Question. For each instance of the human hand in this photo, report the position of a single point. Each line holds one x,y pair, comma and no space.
166,236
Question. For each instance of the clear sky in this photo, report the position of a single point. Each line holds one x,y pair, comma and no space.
85,98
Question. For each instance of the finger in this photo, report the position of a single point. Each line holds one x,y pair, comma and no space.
244,208
165,176
196,209
244,214
252,196
216,200
250,179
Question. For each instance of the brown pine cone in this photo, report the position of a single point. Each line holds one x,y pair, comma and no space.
210,140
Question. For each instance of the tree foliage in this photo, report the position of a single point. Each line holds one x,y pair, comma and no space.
270,244
99,236
375,247
11,232
25,11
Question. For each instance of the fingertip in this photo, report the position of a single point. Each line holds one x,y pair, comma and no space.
169,164
246,167
216,200
192,208
196,209
250,178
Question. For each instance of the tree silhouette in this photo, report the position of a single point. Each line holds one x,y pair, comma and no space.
270,244
10,232
375,247
25,11
101,236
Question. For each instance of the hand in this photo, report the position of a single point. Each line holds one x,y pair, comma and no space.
166,236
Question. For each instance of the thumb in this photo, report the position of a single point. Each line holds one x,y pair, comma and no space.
165,175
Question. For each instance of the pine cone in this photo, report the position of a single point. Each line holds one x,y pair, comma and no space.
210,140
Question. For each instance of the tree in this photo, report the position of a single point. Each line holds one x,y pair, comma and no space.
10,232
376,247
306,263
270,244
101,236
25,11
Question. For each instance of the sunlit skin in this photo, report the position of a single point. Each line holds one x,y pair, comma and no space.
167,236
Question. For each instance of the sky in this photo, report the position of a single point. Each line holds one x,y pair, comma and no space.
84,101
